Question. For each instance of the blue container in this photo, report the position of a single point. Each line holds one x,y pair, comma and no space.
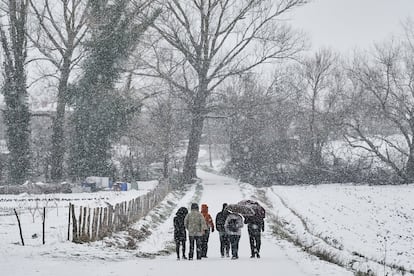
124,186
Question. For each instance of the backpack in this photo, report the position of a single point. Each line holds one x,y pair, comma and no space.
232,225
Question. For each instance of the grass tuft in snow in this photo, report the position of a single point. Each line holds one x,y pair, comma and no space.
363,273
198,193
327,256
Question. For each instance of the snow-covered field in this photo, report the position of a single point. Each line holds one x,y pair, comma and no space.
374,223
361,226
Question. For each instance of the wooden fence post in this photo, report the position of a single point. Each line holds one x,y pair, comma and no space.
137,209
69,219
75,237
100,226
110,218
83,234
88,223
20,226
80,223
105,221
95,223
43,225
116,216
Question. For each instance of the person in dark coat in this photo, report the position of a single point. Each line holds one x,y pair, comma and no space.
180,235
224,238
255,225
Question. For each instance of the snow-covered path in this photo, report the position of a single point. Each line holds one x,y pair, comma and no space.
275,260
278,257
219,189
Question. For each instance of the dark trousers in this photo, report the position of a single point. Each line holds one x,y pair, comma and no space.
224,244
234,242
204,243
197,241
179,243
255,243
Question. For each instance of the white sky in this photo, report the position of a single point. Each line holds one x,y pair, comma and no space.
345,25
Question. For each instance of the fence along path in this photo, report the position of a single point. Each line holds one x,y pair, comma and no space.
91,224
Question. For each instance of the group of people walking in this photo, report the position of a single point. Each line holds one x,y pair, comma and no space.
199,225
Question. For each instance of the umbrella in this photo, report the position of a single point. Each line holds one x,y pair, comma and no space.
243,210
259,211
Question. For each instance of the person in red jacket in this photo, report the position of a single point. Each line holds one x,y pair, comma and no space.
210,226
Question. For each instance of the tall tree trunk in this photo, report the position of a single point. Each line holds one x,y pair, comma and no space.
189,170
17,118
313,155
165,171
58,145
409,167
198,110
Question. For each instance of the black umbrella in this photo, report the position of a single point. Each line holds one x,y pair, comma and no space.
259,211
241,209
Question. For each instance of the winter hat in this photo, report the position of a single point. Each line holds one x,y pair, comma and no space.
194,206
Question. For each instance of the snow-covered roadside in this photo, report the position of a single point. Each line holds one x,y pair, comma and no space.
160,239
350,223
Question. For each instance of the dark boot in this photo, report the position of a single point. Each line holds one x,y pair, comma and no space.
177,250
253,253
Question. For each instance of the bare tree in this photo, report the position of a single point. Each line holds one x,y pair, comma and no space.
251,127
57,35
213,40
162,117
384,93
318,75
